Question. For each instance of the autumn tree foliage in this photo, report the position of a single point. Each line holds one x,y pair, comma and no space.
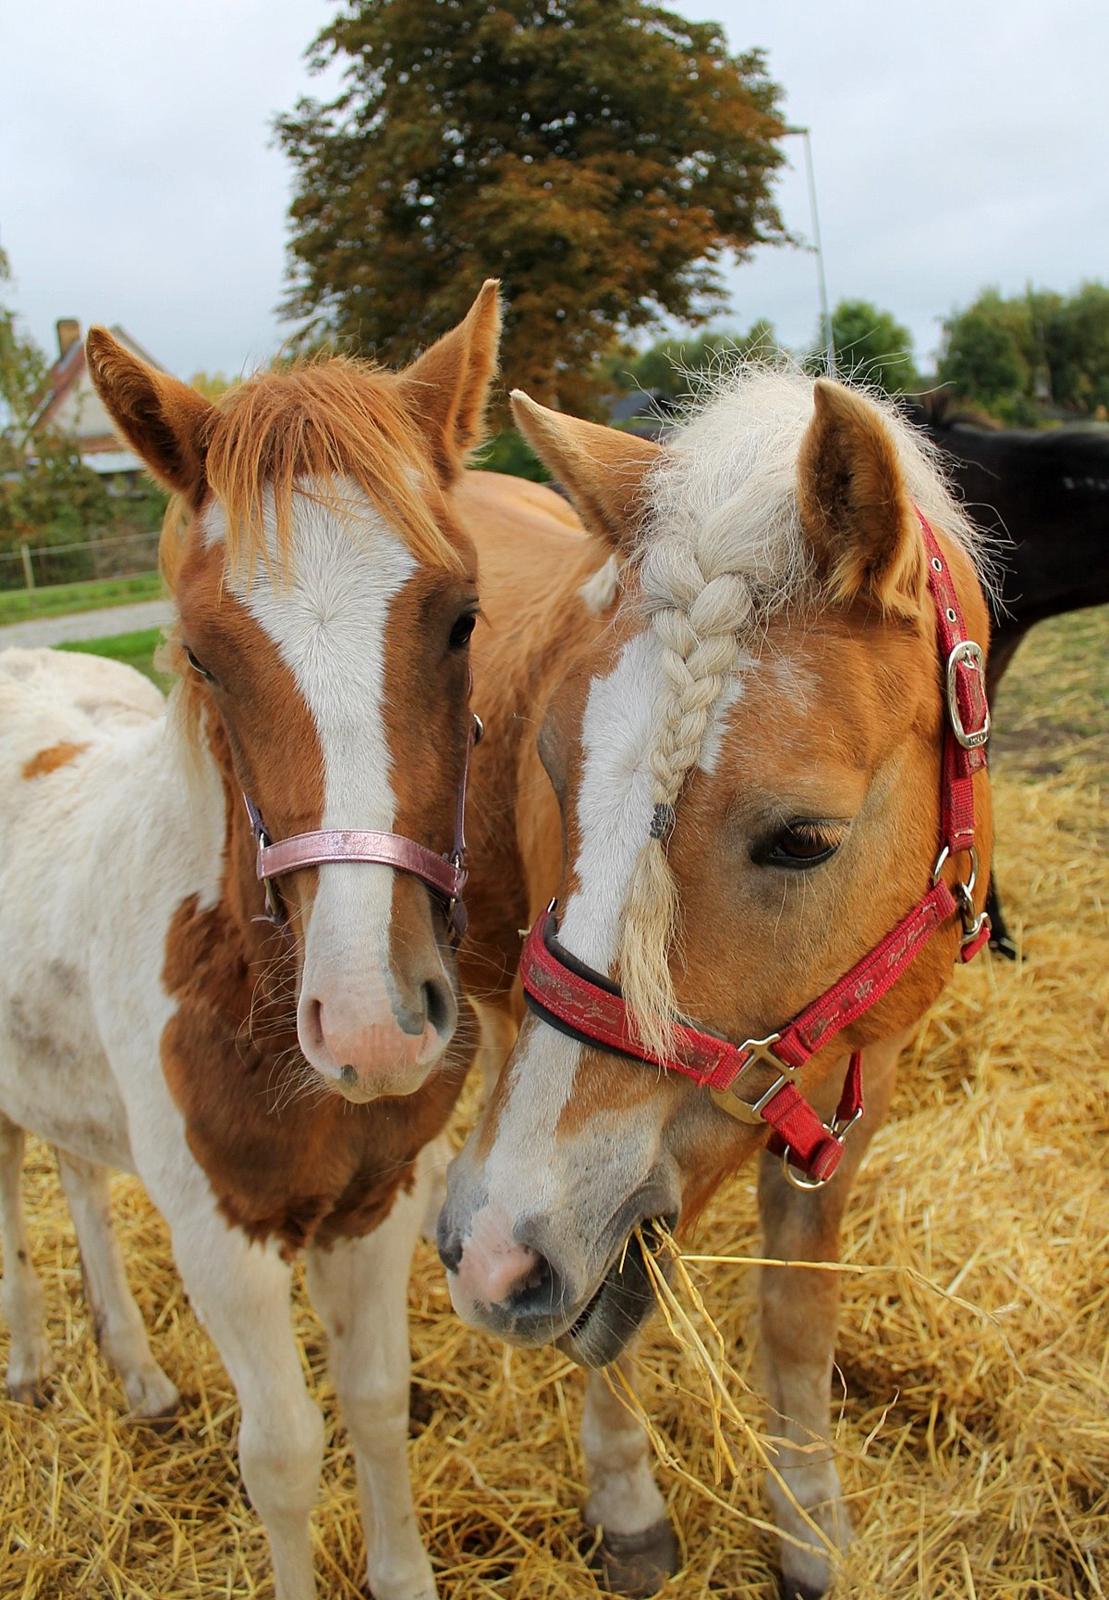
600,156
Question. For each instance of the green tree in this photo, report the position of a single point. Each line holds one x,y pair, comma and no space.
671,367
988,352
1075,335
22,369
872,346
211,384
597,155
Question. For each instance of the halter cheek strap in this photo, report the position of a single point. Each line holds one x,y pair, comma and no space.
754,1081
444,875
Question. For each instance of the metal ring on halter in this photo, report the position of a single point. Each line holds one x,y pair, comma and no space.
973,921
966,654
944,855
275,910
838,1131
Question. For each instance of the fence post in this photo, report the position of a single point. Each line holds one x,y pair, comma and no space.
28,575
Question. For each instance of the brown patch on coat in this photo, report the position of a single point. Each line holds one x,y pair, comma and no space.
305,1170
53,757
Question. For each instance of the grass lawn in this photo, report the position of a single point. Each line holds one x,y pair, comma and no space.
1050,711
63,599
136,649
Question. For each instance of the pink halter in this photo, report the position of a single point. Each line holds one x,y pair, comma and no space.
444,874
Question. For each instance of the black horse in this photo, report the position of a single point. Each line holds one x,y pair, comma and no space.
1045,494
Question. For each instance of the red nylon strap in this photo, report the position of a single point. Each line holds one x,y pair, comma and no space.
799,1133
967,681
601,1016
859,989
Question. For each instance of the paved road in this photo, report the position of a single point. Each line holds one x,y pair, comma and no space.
87,624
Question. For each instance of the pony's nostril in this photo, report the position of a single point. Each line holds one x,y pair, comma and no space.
535,1291
449,1241
313,1025
437,1005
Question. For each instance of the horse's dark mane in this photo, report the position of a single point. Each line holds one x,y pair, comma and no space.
940,409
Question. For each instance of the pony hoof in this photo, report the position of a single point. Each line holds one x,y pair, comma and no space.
34,1393
170,1420
637,1564
793,1589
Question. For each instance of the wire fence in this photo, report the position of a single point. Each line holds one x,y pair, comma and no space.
33,567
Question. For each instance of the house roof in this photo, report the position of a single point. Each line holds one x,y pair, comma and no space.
67,372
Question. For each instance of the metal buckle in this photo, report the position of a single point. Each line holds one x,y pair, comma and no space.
968,654
731,1101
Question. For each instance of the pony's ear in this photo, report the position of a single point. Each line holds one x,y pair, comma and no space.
855,508
603,470
165,420
446,388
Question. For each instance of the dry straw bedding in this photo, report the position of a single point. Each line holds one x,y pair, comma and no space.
972,1425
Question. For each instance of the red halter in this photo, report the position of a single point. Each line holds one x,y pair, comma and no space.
446,875
754,1081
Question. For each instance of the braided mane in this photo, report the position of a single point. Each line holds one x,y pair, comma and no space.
724,550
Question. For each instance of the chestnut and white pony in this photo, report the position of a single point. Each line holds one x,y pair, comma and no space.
272,1087
765,680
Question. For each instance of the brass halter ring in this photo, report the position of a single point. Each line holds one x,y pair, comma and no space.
839,1131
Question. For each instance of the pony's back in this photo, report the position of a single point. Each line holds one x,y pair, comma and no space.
104,691
55,704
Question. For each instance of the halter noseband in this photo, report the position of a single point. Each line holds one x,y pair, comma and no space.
444,875
754,1081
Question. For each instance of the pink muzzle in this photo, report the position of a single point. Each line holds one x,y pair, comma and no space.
445,875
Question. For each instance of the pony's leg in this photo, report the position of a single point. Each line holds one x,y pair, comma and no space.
118,1325
360,1289
638,1550
798,1312
29,1361
1002,942
240,1292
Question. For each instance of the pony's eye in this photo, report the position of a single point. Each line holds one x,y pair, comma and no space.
198,666
460,634
799,844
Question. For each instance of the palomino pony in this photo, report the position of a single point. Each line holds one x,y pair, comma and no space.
768,797
270,1058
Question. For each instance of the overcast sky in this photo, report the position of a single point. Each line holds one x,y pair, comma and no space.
956,144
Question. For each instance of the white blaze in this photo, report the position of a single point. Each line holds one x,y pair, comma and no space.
328,620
